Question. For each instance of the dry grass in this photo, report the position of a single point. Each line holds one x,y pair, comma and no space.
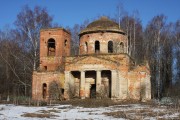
140,114
65,107
86,111
1,109
95,103
54,111
42,114
117,114
49,111
39,115
117,109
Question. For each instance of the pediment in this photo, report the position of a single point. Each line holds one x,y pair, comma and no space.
93,60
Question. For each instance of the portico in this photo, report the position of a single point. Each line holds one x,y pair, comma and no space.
92,83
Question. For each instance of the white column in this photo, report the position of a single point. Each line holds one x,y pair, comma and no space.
82,85
117,85
98,82
148,87
66,84
113,83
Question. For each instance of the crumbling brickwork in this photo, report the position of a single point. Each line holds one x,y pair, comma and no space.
103,68
123,82
46,79
54,47
87,42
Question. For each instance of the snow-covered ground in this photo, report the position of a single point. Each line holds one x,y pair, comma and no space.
119,112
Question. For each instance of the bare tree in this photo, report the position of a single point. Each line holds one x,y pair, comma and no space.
14,66
19,51
176,56
133,29
29,23
159,53
75,30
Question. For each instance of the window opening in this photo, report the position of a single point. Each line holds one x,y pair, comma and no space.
86,47
65,42
121,47
110,47
51,47
97,47
45,67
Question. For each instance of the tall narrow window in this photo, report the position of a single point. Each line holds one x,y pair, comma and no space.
110,47
86,47
65,42
121,47
45,67
44,90
51,47
97,47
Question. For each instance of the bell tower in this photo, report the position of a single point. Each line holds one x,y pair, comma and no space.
54,46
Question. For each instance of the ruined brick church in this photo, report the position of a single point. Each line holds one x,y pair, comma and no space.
103,68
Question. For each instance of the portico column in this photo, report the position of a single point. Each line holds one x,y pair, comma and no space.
113,83
98,82
148,87
67,82
82,85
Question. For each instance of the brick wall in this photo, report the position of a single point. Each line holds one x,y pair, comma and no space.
103,38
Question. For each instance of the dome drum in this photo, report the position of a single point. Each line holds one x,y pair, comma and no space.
102,36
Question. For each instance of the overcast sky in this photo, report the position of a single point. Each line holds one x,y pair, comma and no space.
70,12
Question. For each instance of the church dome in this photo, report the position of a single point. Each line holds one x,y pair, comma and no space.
102,25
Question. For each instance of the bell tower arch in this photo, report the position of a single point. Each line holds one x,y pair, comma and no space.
54,46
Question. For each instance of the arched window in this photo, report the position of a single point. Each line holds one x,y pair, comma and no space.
110,47
86,47
44,90
97,47
51,47
121,47
65,42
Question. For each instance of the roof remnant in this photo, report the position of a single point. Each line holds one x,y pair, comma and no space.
102,24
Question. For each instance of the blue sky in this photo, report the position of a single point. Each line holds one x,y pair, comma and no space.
70,12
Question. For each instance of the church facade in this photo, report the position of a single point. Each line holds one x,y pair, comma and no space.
103,68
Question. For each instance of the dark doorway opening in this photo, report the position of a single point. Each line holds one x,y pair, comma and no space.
93,91
44,90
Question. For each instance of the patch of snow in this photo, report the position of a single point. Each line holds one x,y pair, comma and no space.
13,112
174,115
